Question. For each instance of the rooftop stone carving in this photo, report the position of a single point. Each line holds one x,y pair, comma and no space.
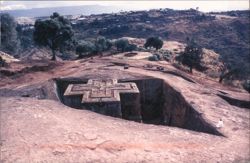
98,90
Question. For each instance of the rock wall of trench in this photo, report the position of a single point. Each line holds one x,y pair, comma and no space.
62,84
179,113
161,104
151,100
158,103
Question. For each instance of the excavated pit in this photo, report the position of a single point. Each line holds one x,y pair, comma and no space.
235,102
158,104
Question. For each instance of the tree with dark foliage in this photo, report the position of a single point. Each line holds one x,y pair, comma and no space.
130,47
246,85
9,42
25,35
155,42
53,32
102,44
121,44
191,56
2,62
93,47
84,47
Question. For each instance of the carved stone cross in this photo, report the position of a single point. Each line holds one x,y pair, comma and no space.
97,90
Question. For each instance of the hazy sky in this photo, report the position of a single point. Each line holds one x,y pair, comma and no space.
211,5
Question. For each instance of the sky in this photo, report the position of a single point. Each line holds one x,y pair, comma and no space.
204,5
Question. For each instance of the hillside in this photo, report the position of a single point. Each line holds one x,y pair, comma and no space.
225,33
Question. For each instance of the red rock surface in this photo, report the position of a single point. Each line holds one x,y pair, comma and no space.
45,130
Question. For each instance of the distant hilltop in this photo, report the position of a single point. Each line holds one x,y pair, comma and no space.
97,9
69,10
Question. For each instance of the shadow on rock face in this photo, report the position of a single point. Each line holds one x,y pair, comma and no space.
157,103
235,102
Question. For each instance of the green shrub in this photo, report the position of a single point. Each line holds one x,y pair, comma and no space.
246,85
154,57
166,56
191,56
85,47
2,62
130,47
103,44
154,42
92,47
123,45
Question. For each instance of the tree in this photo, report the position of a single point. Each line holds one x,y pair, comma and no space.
9,41
130,47
25,35
229,73
154,57
155,42
246,85
121,44
53,32
191,56
84,47
99,45
102,44
2,62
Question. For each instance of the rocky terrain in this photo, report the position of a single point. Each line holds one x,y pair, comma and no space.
37,127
